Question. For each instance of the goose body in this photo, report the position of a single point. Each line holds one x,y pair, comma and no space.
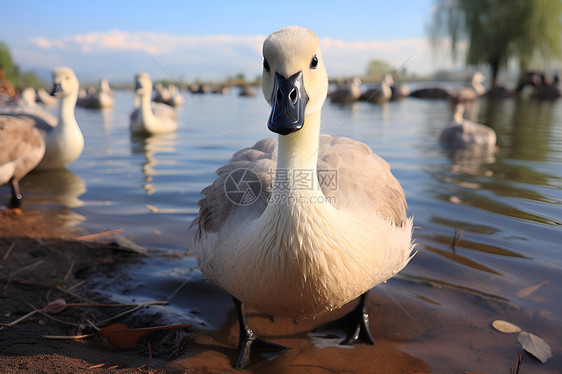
150,118
63,138
399,91
98,99
468,94
21,149
460,95
28,98
167,95
546,89
346,93
380,94
464,134
298,251
45,98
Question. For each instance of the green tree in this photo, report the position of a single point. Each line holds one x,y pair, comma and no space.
498,30
13,73
7,62
378,68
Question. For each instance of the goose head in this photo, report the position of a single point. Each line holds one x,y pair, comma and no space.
387,80
294,79
104,86
65,82
143,84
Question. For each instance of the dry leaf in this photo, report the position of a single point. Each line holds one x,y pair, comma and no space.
504,326
55,306
124,337
535,346
529,290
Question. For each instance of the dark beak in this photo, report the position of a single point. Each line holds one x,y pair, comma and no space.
138,85
56,89
289,102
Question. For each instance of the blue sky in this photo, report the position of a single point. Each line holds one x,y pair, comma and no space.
210,39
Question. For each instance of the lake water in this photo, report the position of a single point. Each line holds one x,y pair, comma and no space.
508,207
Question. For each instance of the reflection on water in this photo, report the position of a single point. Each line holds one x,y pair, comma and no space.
150,147
59,190
508,204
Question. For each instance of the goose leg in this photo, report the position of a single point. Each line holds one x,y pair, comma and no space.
359,319
248,339
16,193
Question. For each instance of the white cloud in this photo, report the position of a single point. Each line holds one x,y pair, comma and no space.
119,54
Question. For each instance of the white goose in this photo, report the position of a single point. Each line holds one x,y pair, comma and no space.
98,99
298,251
380,94
464,134
150,118
63,139
21,148
346,92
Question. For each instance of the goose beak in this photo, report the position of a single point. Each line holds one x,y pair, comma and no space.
289,102
56,89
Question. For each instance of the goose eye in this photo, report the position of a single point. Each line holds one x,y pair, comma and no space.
266,65
314,62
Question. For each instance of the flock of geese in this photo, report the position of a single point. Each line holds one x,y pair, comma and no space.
290,253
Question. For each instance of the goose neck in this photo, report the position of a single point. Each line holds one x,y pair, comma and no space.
67,106
297,159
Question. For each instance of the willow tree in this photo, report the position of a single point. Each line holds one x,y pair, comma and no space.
500,30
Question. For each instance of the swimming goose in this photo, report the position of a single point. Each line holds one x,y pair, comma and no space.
460,95
464,134
347,92
45,97
380,94
167,95
27,98
399,91
468,94
150,117
63,139
330,225
546,89
21,148
98,99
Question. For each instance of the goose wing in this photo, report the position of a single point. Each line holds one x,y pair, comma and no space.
226,195
357,181
352,177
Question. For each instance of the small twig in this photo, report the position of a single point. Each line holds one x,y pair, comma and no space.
92,325
23,318
56,319
517,368
10,248
106,321
69,291
119,305
96,366
99,235
69,271
25,268
67,337
137,307
456,238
